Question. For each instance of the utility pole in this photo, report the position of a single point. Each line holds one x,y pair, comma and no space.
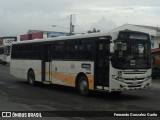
71,25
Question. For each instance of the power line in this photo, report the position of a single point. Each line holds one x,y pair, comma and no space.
84,12
128,8
65,18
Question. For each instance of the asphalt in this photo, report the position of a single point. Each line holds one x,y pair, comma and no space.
17,95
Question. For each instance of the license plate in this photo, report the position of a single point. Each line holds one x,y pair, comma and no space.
135,84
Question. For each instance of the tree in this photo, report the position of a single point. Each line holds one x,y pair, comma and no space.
93,31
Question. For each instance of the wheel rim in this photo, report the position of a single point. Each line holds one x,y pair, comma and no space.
31,79
83,86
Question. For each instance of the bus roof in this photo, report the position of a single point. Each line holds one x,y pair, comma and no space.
79,36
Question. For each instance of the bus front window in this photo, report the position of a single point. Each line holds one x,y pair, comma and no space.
131,54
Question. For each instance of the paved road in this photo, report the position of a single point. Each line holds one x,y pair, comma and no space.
17,95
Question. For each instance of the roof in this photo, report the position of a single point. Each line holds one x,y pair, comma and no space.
67,37
155,31
149,27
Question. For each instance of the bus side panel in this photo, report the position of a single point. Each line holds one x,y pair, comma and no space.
113,84
17,68
36,66
65,72
20,68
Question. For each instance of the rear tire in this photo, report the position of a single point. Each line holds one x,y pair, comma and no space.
83,86
31,78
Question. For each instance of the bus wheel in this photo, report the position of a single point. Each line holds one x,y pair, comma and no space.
83,85
31,78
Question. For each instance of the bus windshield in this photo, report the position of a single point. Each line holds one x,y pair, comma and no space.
131,54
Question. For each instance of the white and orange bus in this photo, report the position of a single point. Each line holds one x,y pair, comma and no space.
87,62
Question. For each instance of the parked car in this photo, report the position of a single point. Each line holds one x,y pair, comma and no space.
155,72
3,62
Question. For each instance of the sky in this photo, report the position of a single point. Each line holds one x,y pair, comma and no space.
19,16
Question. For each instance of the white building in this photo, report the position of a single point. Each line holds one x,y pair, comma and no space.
5,47
153,31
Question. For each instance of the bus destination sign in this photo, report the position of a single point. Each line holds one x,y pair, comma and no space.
138,36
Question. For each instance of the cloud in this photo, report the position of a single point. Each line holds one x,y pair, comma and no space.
18,16
104,25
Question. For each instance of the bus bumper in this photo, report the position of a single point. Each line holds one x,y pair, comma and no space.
134,85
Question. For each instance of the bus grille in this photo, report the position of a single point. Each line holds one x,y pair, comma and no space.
134,79
135,86
134,72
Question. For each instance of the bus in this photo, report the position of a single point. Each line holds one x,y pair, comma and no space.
87,62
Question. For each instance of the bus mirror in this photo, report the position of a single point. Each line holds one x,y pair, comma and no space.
117,45
111,48
124,46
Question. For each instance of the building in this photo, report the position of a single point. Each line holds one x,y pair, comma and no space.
48,34
5,47
1,46
39,34
7,42
153,31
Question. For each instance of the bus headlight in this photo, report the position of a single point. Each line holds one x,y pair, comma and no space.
119,78
148,77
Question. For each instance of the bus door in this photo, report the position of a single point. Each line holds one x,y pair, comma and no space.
46,63
102,63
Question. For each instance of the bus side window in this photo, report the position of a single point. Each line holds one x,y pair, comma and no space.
28,51
58,50
13,55
70,50
85,50
36,48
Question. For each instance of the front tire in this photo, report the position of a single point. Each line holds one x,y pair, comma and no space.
83,86
31,78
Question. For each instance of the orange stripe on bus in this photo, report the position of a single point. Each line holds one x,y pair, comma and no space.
70,80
